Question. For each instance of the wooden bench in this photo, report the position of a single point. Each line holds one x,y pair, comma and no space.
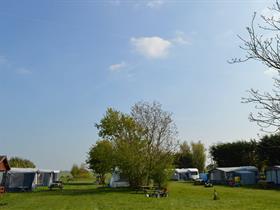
56,184
156,192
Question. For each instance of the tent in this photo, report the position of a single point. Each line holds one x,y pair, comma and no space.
273,174
46,177
224,175
118,180
185,174
20,179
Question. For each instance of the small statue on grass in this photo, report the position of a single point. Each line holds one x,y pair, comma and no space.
215,195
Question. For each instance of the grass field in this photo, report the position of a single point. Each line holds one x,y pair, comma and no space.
83,196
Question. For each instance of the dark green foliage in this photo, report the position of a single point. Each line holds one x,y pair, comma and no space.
17,162
100,159
268,150
191,157
239,153
183,158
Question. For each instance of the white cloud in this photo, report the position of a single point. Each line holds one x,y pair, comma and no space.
154,3
151,47
23,71
117,66
271,72
181,38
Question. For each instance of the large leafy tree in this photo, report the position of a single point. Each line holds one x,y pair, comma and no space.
100,158
198,155
129,146
143,142
160,133
18,162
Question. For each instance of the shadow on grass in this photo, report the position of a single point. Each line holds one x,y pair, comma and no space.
3,204
257,187
79,192
251,187
79,183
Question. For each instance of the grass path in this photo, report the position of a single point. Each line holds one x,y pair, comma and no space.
85,196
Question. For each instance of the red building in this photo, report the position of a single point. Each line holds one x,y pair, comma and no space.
4,166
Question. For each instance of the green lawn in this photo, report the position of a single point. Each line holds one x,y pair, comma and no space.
82,196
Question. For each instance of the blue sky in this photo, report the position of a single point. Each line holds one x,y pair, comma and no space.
63,63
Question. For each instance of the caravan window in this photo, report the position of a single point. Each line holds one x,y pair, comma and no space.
194,173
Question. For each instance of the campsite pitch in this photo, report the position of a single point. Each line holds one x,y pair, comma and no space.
86,196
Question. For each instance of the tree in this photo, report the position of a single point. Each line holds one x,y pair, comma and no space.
160,132
198,155
143,141
100,159
263,45
268,150
239,153
183,158
80,172
18,162
126,137
75,171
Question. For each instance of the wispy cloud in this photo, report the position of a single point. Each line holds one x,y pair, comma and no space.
117,66
181,38
23,71
154,3
151,47
271,72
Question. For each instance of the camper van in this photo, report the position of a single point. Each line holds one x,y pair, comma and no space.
185,174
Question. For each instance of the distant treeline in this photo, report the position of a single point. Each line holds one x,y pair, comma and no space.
18,162
262,153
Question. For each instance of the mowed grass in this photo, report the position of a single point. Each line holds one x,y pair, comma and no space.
86,196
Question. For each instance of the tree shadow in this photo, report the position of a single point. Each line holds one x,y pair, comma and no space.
257,187
79,192
3,204
78,183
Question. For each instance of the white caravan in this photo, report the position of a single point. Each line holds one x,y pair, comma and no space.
185,174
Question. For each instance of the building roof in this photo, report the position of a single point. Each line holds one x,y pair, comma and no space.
185,170
32,170
23,170
4,159
241,168
47,171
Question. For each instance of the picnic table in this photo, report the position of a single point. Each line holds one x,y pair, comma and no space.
56,184
152,191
